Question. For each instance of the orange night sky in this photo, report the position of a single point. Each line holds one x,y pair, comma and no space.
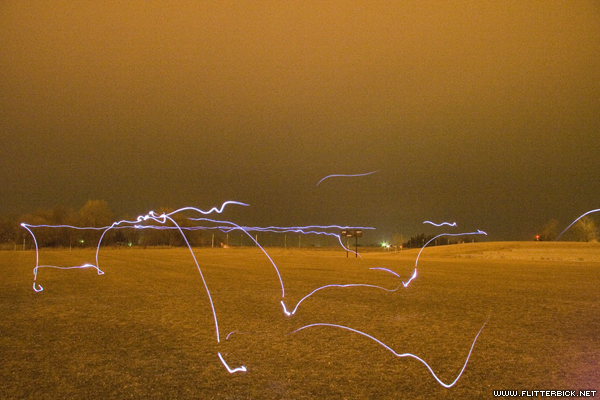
484,113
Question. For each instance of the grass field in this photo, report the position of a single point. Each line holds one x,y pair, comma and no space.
145,329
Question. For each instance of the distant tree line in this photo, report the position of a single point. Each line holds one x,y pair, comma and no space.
96,214
584,230
421,239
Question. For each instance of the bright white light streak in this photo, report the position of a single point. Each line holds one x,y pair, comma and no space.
238,227
447,234
37,255
162,220
289,313
414,275
100,272
212,306
346,176
303,230
151,215
385,269
581,216
446,385
231,371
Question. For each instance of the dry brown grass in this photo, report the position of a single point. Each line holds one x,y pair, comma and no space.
145,330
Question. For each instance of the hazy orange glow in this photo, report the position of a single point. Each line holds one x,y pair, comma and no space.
487,113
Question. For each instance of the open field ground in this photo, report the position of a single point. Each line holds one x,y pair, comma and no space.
145,328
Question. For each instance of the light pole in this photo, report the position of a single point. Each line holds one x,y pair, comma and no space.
355,233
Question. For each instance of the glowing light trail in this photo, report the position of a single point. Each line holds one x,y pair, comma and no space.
414,275
446,385
214,209
479,232
304,230
227,226
581,216
100,272
212,306
163,218
405,284
231,371
37,256
151,215
346,176
288,313
385,269
230,333
443,223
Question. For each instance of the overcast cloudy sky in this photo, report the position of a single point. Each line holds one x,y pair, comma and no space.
482,112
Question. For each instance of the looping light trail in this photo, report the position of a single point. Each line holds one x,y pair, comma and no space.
572,223
345,176
446,385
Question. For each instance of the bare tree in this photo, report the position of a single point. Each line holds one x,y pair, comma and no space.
585,230
550,230
95,213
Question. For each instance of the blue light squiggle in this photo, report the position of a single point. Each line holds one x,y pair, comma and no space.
441,224
345,176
